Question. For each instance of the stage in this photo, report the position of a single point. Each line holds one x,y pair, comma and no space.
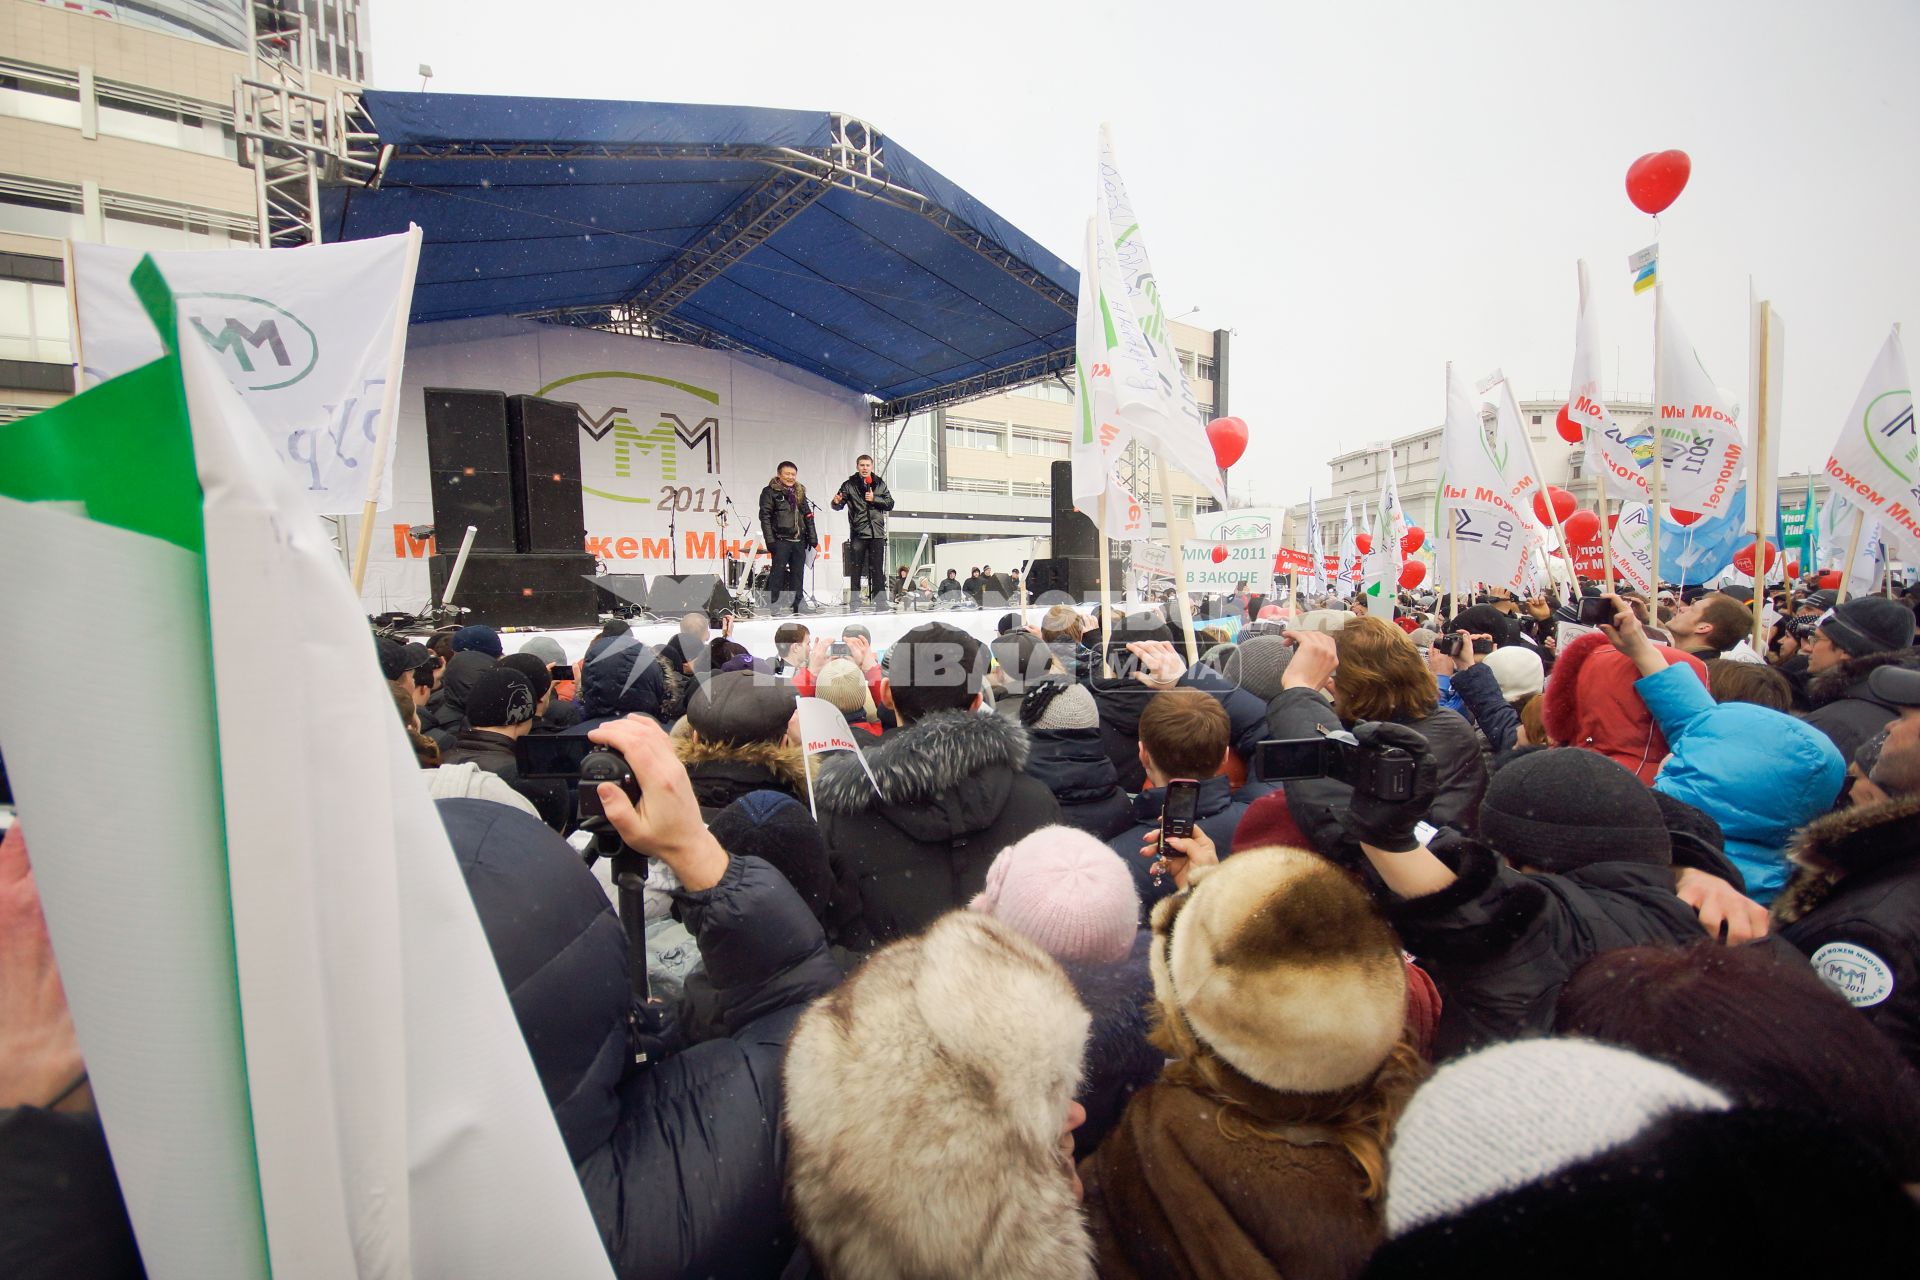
757,633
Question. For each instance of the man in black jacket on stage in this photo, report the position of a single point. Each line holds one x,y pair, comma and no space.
866,500
786,526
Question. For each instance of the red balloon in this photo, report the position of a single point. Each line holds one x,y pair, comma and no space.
1682,518
1413,540
1743,559
1220,555
1229,439
1656,179
1563,505
1581,526
1412,574
1569,430
1793,569
1827,580
1363,542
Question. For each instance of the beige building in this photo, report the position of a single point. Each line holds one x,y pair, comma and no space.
117,126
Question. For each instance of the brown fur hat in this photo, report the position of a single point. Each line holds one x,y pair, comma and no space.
1280,963
924,1105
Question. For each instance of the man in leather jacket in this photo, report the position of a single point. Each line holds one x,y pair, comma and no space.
865,498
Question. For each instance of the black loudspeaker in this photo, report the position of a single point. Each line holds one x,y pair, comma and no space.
543,450
1074,534
1046,576
542,590
672,594
471,476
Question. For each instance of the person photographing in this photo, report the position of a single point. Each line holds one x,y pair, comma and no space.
866,500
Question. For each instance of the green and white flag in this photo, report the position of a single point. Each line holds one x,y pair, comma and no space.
1381,566
301,1050
1482,508
1875,460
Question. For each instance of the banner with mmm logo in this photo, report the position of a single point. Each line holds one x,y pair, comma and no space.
672,439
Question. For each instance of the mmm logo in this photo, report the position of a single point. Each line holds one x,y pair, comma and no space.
263,346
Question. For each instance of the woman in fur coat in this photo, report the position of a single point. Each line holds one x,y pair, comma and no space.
1281,998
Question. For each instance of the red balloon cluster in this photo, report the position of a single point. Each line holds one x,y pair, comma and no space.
1563,505
1569,430
1656,179
1363,542
1220,555
1744,558
1412,541
1229,439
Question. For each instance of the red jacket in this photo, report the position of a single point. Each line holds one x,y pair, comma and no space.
1591,703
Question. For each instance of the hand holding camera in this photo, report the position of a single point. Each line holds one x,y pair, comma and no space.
652,806
1396,788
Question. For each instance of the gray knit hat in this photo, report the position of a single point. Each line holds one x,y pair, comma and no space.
1071,707
547,649
1519,1113
1869,624
1258,665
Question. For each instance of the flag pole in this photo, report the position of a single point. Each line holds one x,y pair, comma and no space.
1763,315
1106,585
1606,538
1177,545
1853,549
1659,453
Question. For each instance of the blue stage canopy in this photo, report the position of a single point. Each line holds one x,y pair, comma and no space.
806,237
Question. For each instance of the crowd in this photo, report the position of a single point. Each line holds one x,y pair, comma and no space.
1592,950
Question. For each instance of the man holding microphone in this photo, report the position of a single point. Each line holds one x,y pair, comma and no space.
866,500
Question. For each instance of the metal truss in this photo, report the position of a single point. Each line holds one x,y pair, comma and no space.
976,387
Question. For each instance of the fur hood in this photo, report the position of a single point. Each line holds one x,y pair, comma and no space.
783,761
919,762
924,1104
1849,842
1849,678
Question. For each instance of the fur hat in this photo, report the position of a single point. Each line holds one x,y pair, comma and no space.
1259,664
925,1099
1870,624
1066,891
1519,1113
1280,963
1324,620
1518,671
1591,703
740,707
547,649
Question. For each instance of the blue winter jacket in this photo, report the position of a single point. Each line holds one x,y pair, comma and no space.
1760,773
1218,813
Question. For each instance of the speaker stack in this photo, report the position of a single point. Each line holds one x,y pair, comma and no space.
1075,565
510,467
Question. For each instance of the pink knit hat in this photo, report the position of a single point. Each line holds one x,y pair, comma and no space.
1066,891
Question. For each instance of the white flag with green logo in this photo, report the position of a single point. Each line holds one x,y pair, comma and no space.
1620,458
312,338
302,1053
1103,339
1381,566
1702,447
1482,507
1875,461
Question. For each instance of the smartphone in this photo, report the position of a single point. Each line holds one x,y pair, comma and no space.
558,672
1596,611
1181,808
552,755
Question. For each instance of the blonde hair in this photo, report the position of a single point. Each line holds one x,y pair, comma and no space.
1381,675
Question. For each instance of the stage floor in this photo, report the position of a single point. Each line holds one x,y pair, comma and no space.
757,633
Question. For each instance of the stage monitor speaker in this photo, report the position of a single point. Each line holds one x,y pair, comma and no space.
470,476
543,449
626,588
506,590
674,594
1074,534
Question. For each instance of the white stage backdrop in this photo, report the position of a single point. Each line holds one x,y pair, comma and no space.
665,430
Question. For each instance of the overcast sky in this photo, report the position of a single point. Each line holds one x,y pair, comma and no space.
1361,191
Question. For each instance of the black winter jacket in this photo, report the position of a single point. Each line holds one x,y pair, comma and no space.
1844,708
1119,1059
1500,945
1853,905
1315,802
952,795
1121,701
620,676
680,1157
1218,813
783,521
445,715
1073,765
722,772
864,519
495,753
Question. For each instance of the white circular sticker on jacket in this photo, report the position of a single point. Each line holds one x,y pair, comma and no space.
1855,972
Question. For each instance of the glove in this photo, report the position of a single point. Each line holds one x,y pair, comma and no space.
1388,824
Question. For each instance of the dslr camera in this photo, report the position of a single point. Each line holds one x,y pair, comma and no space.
1451,643
1385,773
585,763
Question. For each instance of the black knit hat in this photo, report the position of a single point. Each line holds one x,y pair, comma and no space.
1870,624
1484,619
1563,809
777,829
500,697
539,678
393,657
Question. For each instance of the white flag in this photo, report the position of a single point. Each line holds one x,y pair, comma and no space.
1316,549
1156,400
1837,517
1702,446
1875,461
1384,562
1102,437
1632,547
1621,458
1481,509
312,338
